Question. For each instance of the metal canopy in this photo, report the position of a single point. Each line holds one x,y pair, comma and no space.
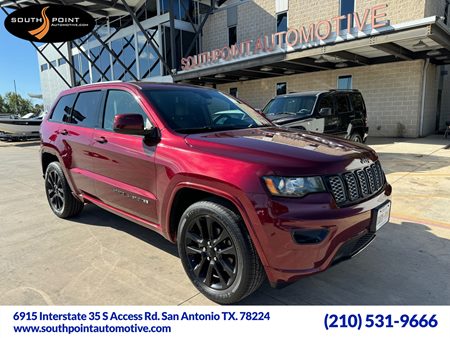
98,8
430,39
126,12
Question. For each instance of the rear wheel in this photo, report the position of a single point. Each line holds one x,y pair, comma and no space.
59,195
356,137
217,252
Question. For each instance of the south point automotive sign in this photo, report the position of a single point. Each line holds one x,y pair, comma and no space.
49,23
295,38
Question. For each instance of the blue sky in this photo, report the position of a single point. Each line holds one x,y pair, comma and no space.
18,61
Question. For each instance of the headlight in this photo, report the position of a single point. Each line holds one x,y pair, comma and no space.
293,186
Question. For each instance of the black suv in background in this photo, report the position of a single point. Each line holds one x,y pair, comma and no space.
337,112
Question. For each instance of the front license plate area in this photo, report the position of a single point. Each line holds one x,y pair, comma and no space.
380,216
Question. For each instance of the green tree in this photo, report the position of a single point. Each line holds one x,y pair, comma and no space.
2,105
16,104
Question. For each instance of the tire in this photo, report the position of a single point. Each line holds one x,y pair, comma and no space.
356,137
59,195
217,252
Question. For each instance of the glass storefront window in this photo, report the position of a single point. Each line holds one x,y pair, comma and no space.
149,64
125,50
180,10
82,66
100,56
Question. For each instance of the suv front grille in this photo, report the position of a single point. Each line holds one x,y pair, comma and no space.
354,186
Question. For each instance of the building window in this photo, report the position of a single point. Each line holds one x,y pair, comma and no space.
53,63
282,25
44,67
344,82
282,22
232,21
61,61
234,92
232,36
346,7
281,88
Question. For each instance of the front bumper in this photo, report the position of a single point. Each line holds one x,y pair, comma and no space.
347,233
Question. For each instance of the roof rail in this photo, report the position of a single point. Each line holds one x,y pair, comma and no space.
343,90
90,84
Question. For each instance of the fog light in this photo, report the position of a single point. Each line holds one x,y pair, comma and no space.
309,236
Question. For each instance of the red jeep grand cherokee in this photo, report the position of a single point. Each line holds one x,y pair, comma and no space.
242,199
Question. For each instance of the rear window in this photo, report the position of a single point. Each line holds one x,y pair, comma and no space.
343,106
85,112
63,109
357,102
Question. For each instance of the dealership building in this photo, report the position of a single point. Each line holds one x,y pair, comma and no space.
396,52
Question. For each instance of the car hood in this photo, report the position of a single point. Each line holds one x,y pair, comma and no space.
284,151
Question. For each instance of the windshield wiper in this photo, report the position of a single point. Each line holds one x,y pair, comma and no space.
282,113
211,129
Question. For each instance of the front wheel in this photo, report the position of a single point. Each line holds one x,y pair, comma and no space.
59,195
217,252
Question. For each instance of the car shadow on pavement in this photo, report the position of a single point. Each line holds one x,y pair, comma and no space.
96,216
407,264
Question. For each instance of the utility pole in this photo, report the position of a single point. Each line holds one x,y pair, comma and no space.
15,91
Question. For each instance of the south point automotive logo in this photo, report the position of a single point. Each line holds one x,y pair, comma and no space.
49,23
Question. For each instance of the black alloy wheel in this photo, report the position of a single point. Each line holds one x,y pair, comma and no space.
55,191
59,195
211,252
217,252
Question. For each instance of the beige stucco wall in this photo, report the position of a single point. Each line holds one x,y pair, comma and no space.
257,18
392,93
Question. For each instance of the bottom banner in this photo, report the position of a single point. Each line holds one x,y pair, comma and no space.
171,321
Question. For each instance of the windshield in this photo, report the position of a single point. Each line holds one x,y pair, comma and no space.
286,106
191,110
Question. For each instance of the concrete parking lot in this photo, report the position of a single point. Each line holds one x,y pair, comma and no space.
98,258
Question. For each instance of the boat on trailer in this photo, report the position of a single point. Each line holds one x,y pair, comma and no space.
14,129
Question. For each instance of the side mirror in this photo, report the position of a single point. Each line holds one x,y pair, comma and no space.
152,137
132,124
326,112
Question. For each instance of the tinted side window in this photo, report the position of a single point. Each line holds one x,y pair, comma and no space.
122,102
357,102
325,102
342,103
63,108
85,112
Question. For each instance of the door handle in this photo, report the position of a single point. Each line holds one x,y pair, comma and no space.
101,140
64,132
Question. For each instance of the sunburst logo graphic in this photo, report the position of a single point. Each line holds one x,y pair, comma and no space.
43,29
